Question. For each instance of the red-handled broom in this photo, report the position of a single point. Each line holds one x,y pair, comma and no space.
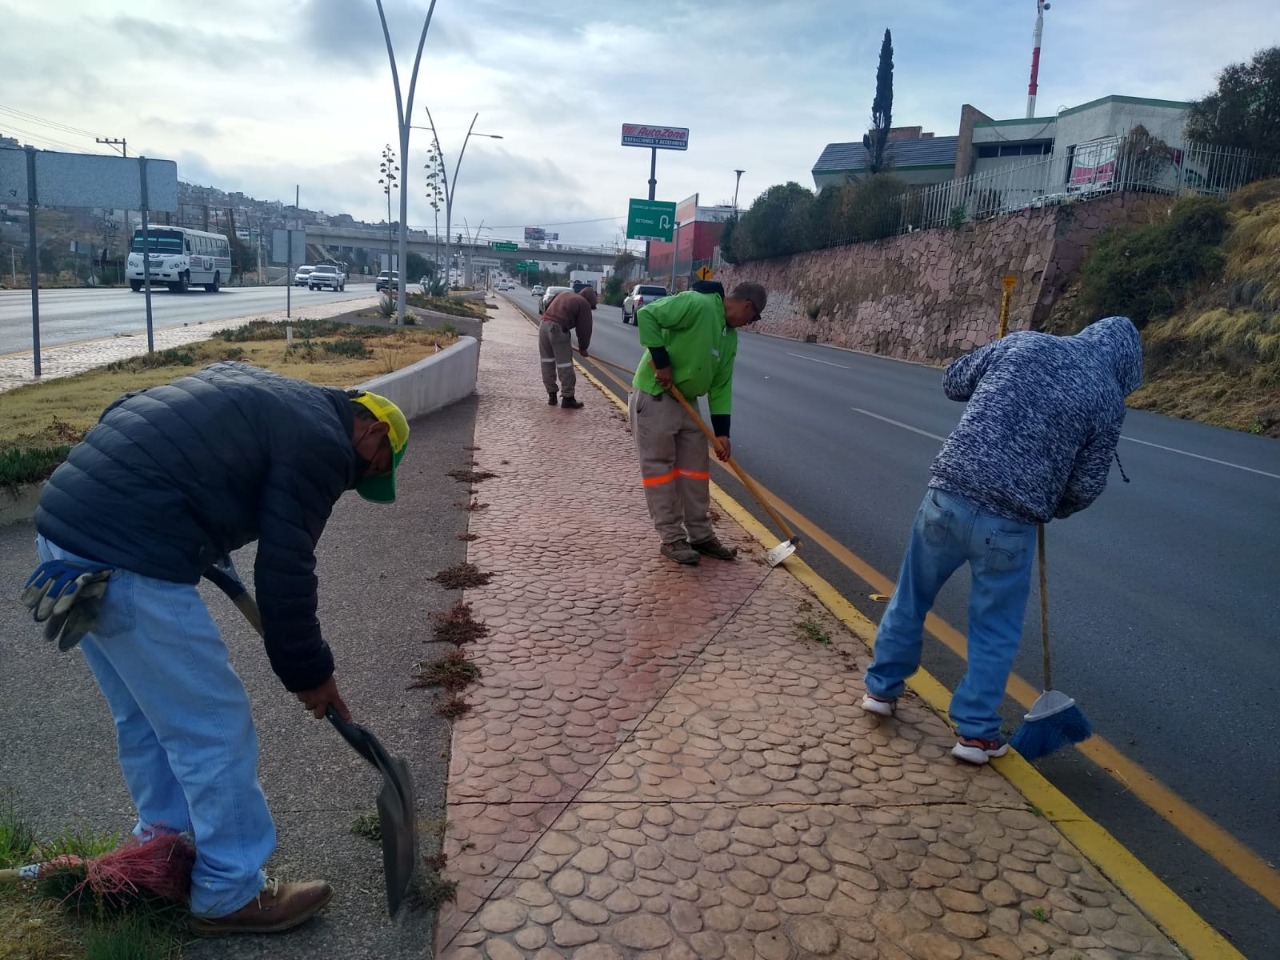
156,865
1054,720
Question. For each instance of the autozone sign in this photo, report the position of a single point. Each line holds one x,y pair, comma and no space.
660,138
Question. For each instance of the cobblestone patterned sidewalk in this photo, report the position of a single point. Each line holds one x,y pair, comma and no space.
668,762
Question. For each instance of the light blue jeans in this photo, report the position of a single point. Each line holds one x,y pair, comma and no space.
187,745
948,532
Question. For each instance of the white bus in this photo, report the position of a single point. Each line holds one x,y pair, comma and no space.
180,257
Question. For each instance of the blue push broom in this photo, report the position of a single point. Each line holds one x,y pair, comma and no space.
1054,720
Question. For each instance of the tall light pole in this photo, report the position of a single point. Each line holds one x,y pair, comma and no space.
451,186
737,180
387,181
404,113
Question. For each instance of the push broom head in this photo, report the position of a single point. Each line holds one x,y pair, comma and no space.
1053,721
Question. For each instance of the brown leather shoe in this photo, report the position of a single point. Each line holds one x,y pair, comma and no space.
277,907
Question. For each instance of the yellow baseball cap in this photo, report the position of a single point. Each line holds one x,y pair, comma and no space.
383,489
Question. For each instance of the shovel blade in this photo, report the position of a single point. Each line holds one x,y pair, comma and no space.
397,824
780,553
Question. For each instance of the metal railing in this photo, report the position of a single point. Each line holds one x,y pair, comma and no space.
1132,163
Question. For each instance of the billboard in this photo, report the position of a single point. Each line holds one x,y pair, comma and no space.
661,138
537,233
89,180
687,210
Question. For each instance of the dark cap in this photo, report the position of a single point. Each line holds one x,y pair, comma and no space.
753,293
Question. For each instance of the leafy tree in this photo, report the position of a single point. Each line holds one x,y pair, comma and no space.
772,227
881,109
1244,111
418,266
872,208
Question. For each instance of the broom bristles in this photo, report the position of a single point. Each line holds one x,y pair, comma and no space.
161,864
1041,737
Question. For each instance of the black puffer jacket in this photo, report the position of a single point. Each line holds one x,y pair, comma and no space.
173,477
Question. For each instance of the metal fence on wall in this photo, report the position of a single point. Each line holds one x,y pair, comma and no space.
1132,163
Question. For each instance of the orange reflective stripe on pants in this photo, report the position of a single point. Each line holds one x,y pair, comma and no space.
693,474
665,478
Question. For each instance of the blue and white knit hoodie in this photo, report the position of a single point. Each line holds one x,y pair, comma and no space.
1042,422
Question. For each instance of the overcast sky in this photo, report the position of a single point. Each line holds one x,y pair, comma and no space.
257,96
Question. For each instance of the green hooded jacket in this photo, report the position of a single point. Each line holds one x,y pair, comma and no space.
702,347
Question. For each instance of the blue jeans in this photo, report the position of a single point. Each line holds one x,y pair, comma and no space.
187,745
948,532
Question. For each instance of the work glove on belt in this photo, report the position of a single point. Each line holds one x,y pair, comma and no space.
66,596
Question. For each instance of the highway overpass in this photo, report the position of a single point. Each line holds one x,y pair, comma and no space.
338,241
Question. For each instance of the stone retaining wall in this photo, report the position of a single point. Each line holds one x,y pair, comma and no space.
933,295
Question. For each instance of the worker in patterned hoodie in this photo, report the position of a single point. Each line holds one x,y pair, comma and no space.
692,341
1035,443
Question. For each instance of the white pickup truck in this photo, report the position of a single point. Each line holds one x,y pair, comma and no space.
327,275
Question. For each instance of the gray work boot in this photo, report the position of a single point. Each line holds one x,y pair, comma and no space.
570,403
680,552
714,548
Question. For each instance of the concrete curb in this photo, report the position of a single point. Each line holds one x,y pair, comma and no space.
418,389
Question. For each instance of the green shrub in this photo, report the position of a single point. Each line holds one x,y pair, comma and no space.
1146,273
21,465
173,357
346,347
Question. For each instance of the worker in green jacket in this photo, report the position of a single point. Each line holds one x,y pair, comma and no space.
691,340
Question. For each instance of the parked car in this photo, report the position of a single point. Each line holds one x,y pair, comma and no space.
387,280
300,278
642,293
327,275
551,294
538,290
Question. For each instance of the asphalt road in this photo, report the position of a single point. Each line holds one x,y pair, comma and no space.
69,316
1162,595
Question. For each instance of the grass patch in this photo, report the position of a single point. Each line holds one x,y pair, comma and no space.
436,890
457,626
811,632
368,826
44,420
450,305
452,672
462,576
471,476
453,708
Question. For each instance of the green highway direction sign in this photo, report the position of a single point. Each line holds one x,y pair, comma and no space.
651,220
521,265
504,245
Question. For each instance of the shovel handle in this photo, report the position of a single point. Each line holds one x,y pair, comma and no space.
733,464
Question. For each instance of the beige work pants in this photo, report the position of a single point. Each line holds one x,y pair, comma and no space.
674,466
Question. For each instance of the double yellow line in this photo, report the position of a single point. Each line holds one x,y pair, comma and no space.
1164,906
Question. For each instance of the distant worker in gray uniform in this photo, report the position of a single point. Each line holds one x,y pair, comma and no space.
567,313
1035,444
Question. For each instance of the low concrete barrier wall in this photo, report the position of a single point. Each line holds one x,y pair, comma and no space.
421,388
433,382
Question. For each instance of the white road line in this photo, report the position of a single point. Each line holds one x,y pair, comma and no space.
1236,466
801,356
1145,443
897,423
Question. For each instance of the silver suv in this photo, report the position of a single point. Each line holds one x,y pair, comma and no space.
326,275
642,293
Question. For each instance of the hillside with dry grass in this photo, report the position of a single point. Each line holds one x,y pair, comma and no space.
1203,286
1218,358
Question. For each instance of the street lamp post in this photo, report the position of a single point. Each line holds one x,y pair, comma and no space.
388,169
451,185
404,113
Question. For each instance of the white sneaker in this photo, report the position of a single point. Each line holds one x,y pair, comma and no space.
881,708
978,751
